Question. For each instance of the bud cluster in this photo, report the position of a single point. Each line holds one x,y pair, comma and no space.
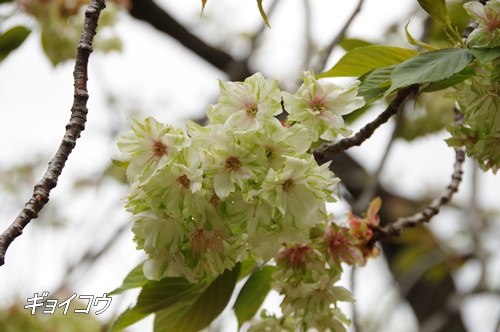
306,274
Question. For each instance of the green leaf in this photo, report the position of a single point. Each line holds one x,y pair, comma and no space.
120,163
373,86
190,316
58,47
168,319
157,295
263,13
432,113
349,44
436,9
253,294
430,67
451,81
12,39
134,279
371,95
416,42
364,59
486,54
376,78
356,114
495,74
127,318
246,268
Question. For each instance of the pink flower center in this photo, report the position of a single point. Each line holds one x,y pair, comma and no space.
202,240
232,164
318,104
251,110
288,185
184,181
296,256
160,149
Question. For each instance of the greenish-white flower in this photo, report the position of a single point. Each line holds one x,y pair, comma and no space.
230,165
149,145
155,231
299,190
487,34
320,104
246,106
177,187
274,141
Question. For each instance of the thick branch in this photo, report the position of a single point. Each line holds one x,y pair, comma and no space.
327,150
73,130
396,228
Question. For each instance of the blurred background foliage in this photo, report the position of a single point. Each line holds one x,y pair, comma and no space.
433,270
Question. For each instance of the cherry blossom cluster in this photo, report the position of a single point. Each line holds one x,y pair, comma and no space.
205,199
479,97
306,274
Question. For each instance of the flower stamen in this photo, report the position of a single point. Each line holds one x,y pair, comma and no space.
288,185
252,111
160,149
233,164
184,181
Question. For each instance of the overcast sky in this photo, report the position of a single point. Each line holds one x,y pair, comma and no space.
155,75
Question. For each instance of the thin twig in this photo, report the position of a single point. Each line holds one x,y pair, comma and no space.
73,130
328,150
396,228
91,256
338,38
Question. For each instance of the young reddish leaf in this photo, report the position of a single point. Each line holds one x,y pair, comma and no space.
361,60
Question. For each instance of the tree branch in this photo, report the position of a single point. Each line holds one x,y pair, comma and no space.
73,130
396,228
327,150
370,189
150,12
90,257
